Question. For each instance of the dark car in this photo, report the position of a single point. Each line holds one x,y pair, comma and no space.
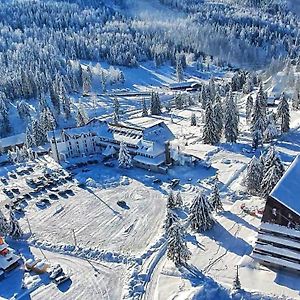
174,182
157,181
53,197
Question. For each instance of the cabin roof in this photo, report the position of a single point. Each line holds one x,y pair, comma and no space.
287,190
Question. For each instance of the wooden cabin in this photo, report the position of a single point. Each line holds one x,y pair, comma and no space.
278,239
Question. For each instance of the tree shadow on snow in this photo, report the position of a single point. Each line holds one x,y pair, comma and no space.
229,241
233,217
193,240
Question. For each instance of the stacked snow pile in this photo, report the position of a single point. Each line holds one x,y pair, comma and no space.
30,281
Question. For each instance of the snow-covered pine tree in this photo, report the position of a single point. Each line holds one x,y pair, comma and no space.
145,109
24,111
200,217
171,218
64,99
125,160
210,133
103,78
54,96
47,120
254,175
179,101
155,105
212,89
231,119
87,81
38,133
4,226
116,106
5,127
214,198
248,86
179,69
15,230
193,120
218,115
249,107
236,282
296,97
81,116
179,201
171,201
177,249
29,139
271,131
283,112
258,121
272,172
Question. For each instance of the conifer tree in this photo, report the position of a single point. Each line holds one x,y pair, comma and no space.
177,249
236,281
155,105
87,81
271,130
200,216
4,226
47,121
5,127
210,133
254,175
214,198
179,101
193,120
218,116
15,230
179,69
39,134
272,172
179,201
296,98
54,96
171,202
283,112
125,160
171,219
145,109
29,139
81,116
24,111
231,119
64,100
249,107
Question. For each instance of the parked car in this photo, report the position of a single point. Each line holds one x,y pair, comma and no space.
41,204
53,197
157,181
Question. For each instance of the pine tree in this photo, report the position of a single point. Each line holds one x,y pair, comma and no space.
4,226
283,112
214,198
116,108
155,105
271,131
218,116
254,175
125,160
249,107
272,172
15,230
5,127
171,219
236,282
54,96
24,111
39,134
177,249
296,96
200,217
64,99
29,139
210,134
179,101
171,202
81,116
179,69
87,81
145,109
179,201
47,121
103,82
231,119
193,120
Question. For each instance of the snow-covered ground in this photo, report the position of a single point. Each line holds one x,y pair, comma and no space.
112,252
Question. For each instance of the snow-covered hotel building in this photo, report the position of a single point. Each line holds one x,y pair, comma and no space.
278,240
147,140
